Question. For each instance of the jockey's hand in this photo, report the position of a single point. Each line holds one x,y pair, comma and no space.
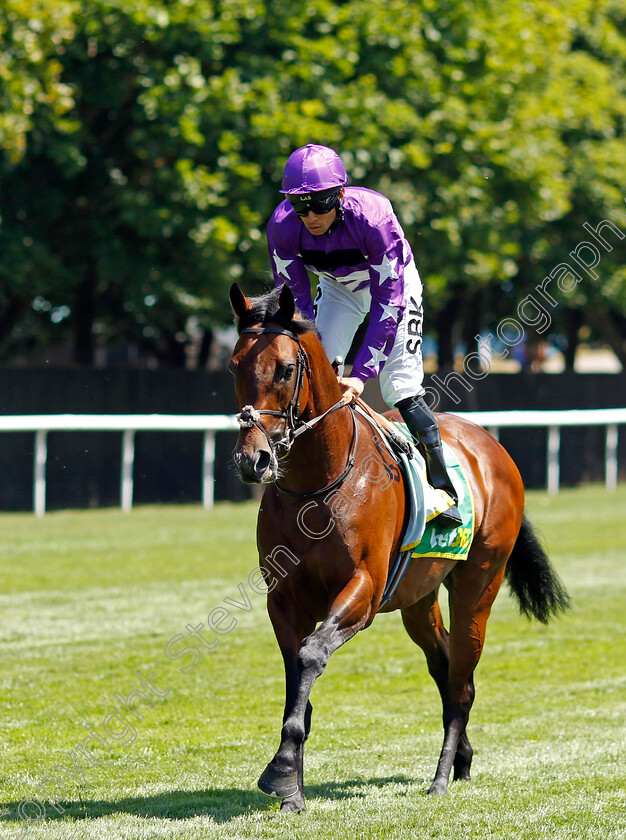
351,387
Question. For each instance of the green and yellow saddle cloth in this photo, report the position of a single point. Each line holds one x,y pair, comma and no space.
424,537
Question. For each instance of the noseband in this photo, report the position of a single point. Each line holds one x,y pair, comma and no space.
294,425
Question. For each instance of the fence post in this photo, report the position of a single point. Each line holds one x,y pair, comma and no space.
39,472
611,456
554,446
128,461
208,468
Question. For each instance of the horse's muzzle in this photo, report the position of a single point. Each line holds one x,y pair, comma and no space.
259,466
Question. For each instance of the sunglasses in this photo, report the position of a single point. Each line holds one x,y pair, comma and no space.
318,203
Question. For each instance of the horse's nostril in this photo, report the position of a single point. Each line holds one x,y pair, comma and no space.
252,467
261,461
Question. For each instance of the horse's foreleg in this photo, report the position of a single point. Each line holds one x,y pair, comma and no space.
290,630
471,599
349,613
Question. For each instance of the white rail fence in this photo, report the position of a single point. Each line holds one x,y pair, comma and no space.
130,424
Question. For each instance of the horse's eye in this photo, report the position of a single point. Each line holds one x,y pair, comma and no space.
288,373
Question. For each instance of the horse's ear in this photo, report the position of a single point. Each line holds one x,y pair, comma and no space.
287,303
239,301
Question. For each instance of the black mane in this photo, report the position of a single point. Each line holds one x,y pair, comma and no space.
266,310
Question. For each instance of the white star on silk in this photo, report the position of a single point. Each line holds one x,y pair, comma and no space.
387,268
377,357
281,265
389,312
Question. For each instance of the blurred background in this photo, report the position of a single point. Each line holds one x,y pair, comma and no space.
141,150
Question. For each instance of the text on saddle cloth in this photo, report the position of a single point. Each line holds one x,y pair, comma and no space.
424,535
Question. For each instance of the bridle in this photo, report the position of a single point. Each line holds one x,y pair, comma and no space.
294,425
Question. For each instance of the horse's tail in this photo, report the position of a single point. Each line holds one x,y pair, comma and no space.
533,581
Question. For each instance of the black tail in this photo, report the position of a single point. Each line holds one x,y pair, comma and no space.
532,579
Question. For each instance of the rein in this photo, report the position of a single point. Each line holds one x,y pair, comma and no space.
337,481
294,425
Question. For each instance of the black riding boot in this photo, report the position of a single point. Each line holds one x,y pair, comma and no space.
423,426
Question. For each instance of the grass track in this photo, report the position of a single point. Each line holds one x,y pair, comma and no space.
90,598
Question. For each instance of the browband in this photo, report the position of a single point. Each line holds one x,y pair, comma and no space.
274,330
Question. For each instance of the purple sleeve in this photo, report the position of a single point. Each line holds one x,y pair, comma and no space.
386,248
287,265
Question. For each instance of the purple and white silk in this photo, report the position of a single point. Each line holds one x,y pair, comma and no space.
366,253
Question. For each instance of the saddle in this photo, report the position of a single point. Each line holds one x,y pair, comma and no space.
423,537
397,443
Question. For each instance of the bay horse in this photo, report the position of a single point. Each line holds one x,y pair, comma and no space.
310,450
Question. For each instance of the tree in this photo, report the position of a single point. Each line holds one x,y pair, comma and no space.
126,208
32,98
140,185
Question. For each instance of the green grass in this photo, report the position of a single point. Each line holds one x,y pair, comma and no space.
90,598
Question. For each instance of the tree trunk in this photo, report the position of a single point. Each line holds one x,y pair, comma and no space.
446,322
472,318
11,315
205,349
84,315
612,328
573,322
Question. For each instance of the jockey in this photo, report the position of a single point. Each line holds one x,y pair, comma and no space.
351,238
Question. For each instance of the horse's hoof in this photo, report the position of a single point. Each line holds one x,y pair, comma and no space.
278,784
438,788
293,805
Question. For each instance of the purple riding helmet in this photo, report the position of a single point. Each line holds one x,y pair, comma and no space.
312,169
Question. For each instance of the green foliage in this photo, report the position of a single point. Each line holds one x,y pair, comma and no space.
142,144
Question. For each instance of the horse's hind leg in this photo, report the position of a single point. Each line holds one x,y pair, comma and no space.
424,624
471,598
